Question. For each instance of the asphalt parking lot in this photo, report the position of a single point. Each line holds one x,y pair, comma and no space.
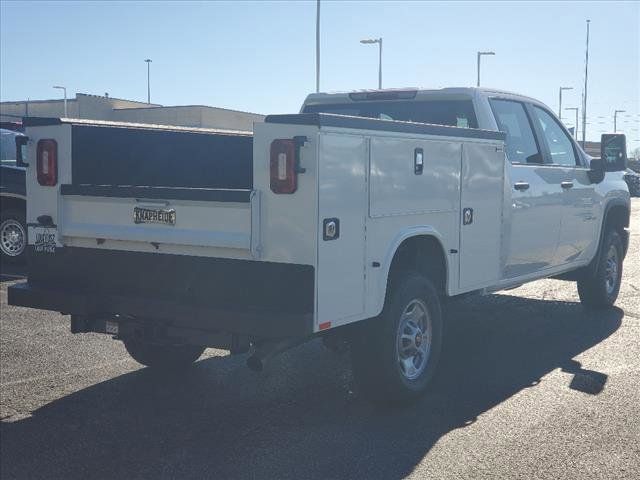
531,385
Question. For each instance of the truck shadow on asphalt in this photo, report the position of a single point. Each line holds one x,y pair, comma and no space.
10,273
300,418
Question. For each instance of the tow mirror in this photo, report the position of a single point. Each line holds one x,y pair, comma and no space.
596,170
613,152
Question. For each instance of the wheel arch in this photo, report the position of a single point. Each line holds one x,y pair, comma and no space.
419,247
11,201
617,214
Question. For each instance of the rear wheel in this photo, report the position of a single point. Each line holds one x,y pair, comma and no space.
395,355
13,236
162,356
600,289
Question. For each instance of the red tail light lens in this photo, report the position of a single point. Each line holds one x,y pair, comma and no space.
47,162
284,177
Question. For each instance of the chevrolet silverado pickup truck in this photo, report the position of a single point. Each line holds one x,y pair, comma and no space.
353,220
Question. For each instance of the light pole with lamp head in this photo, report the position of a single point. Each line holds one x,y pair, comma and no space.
64,89
479,55
560,101
575,131
379,42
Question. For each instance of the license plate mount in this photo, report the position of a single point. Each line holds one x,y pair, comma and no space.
162,216
111,327
45,239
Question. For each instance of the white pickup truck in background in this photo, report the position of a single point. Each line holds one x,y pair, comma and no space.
352,220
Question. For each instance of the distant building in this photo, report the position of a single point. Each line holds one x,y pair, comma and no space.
96,107
592,148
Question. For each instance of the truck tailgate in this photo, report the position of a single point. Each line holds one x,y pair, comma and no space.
177,216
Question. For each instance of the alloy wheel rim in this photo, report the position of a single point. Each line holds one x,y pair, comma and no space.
414,337
12,238
611,270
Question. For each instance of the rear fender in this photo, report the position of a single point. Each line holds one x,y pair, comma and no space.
427,231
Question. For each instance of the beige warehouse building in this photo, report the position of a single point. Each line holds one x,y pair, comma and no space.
96,107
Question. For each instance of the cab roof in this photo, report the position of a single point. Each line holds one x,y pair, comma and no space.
409,93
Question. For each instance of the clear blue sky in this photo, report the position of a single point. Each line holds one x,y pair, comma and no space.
260,56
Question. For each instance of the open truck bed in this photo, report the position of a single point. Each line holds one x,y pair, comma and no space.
104,262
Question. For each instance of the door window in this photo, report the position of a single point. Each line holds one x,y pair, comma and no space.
513,120
558,142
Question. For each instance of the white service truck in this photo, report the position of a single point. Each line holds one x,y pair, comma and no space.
352,220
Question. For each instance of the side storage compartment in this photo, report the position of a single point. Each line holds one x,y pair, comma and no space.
482,184
342,207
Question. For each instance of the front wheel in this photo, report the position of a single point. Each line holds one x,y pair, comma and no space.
161,356
395,355
600,289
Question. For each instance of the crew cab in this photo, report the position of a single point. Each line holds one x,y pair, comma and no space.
352,220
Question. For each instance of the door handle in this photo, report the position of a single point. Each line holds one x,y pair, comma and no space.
566,185
521,186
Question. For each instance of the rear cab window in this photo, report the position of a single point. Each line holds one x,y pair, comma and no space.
454,113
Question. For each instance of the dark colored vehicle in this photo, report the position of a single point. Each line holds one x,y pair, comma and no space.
633,181
13,200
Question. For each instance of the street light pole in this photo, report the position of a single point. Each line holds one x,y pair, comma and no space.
575,131
584,95
380,63
560,101
148,61
379,42
318,46
64,89
615,119
479,55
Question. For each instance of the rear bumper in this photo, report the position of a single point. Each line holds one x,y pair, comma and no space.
259,323
244,297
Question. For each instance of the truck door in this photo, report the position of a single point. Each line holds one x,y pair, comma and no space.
342,203
533,195
578,226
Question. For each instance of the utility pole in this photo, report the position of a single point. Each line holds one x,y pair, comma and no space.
615,119
560,101
575,131
317,46
584,95
148,61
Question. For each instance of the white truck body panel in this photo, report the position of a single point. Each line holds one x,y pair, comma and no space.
342,193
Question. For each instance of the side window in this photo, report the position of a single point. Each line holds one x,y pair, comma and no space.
512,120
558,142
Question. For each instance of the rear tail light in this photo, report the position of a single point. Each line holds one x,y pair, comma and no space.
47,162
283,166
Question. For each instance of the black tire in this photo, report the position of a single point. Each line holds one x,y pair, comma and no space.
13,236
600,289
163,357
376,344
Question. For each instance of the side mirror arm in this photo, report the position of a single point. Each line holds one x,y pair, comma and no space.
596,170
